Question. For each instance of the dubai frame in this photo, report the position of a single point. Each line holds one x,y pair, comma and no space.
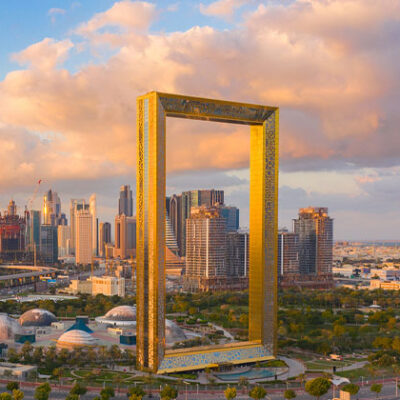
152,110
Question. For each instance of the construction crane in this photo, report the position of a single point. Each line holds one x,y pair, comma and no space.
33,197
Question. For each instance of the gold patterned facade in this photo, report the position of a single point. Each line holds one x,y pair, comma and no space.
152,110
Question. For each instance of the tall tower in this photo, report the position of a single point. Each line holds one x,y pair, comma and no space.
315,230
83,236
95,221
288,253
104,236
74,206
196,198
48,244
205,246
12,208
125,236
51,208
125,202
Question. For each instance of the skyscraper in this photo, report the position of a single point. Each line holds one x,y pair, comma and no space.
64,240
237,254
125,202
288,253
196,198
34,230
95,222
74,206
231,215
315,231
48,244
175,205
51,208
83,236
205,247
12,208
104,237
125,236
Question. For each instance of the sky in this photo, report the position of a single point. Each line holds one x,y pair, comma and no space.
70,72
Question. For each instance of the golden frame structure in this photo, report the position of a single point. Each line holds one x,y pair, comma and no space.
152,110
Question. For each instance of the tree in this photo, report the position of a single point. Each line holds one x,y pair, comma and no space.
107,393
289,394
26,351
258,392
136,393
72,397
12,355
78,389
12,385
17,394
350,388
317,387
168,393
230,393
42,392
5,396
376,388
58,373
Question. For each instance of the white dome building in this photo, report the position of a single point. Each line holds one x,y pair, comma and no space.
125,316
75,338
37,317
9,327
119,316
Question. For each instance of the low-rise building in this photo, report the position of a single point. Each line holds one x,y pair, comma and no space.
107,285
18,370
385,285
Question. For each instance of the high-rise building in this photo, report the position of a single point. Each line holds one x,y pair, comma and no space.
237,254
12,234
52,209
205,246
288,253
83,236
231,215
125,236
64,240
196,198
315,231
34,230
125,202
104,237
95,221
12,208
175,205
48,244
74,206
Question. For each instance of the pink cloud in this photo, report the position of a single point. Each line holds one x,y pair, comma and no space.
222,8
45,54
336,106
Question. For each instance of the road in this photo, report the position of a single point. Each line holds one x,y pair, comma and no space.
388,393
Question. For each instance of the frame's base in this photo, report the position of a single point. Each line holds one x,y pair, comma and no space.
212,356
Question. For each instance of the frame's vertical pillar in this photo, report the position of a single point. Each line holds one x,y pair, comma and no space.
150,250
263,232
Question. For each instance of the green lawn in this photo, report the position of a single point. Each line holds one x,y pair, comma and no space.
325,364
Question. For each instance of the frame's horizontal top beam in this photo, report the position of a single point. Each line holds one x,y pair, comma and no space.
212,110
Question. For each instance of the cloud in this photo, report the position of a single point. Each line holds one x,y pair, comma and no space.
44,55
338,107
130,15
53,12
222,8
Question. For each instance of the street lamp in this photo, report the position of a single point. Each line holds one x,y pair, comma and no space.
186,383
